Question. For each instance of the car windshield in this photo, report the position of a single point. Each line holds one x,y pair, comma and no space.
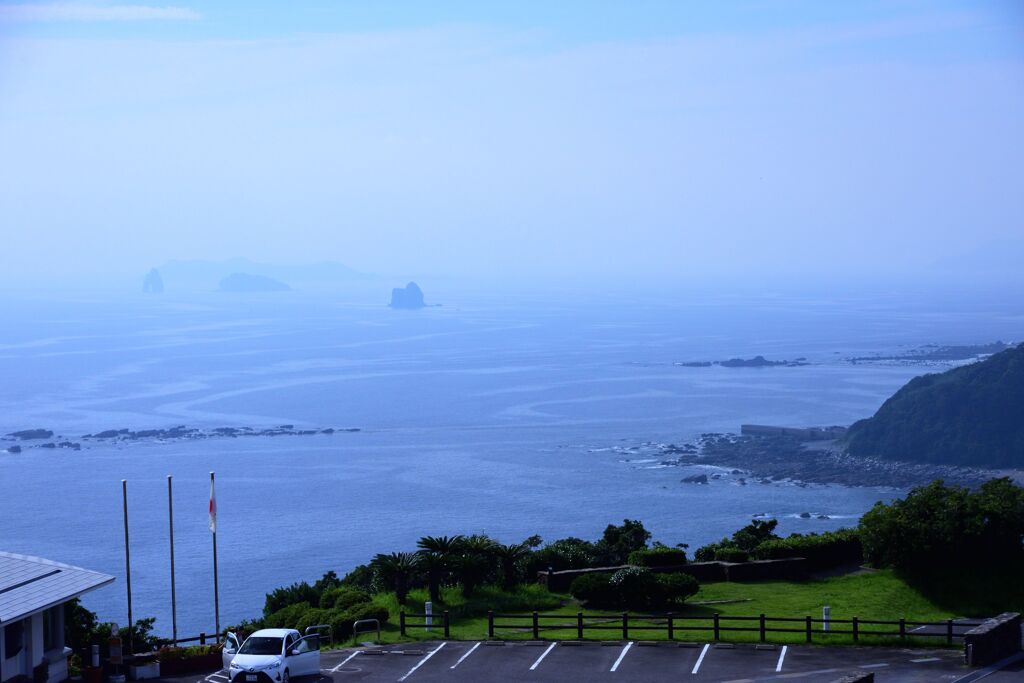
261,646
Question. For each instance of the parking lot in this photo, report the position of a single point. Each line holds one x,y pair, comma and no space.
570,662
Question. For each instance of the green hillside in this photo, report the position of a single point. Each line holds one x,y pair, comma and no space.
971,416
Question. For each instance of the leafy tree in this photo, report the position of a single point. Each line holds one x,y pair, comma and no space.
79,626
946,528
290,595
742,543
360,577
326,582
397,571
565,553
618,542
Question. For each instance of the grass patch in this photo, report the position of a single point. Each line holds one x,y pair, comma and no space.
880,595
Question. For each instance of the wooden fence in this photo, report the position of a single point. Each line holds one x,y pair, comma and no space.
403,622
718,626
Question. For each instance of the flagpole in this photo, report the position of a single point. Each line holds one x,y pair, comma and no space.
213,528
127,562
174,602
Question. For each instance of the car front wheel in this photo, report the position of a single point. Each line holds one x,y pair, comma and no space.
285,678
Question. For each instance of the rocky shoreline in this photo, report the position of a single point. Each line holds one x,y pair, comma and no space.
46,438
779,459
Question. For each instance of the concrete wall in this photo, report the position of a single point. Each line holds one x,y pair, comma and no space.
793,568
33,652
994,639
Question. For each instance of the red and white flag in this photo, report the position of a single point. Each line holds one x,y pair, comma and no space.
213,508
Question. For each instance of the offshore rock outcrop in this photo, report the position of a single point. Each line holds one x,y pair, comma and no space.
153,283
410,296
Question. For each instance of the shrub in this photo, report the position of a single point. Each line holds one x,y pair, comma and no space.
313,617
595,590
728,553
636,587
823,551
565,553
294,594
660,556
343,597
361,577
677,587
342,620
245,627
286,617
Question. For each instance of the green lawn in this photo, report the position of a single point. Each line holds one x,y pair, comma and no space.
871,595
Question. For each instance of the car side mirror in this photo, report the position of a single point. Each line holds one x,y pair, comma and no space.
230,650
294,651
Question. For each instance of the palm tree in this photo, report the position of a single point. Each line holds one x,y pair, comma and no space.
475,561
397,570
509,556
436,553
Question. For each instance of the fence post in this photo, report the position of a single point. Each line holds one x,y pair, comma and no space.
716,625
807,627
490,624
625,625
671,628
903,628
202,637
579,625
446,624
856,630
536,626
949,631
762,627
401,623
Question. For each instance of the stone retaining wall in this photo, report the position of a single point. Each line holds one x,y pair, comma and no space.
789,569
993,640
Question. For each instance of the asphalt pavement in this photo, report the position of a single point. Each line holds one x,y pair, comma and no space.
635,662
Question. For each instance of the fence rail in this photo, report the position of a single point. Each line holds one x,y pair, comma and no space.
202,639
403,622
719,624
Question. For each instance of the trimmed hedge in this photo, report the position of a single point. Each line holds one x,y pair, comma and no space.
657,557
634,588
823,551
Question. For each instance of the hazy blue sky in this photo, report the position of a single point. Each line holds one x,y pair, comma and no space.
627,140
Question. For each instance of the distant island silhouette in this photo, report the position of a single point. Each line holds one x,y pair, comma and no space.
410,296
153,283
245,282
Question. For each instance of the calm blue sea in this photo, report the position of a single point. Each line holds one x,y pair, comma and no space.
510,417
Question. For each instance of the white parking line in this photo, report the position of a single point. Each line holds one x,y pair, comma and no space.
344,662
225,678
925,659
782,657
622,656
464,656
696,667
422,661
873,666
545,654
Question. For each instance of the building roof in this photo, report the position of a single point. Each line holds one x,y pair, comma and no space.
32,584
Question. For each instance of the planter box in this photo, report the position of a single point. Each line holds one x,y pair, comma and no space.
200,664
138,672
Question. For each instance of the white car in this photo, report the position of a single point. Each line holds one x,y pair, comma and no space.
271,655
